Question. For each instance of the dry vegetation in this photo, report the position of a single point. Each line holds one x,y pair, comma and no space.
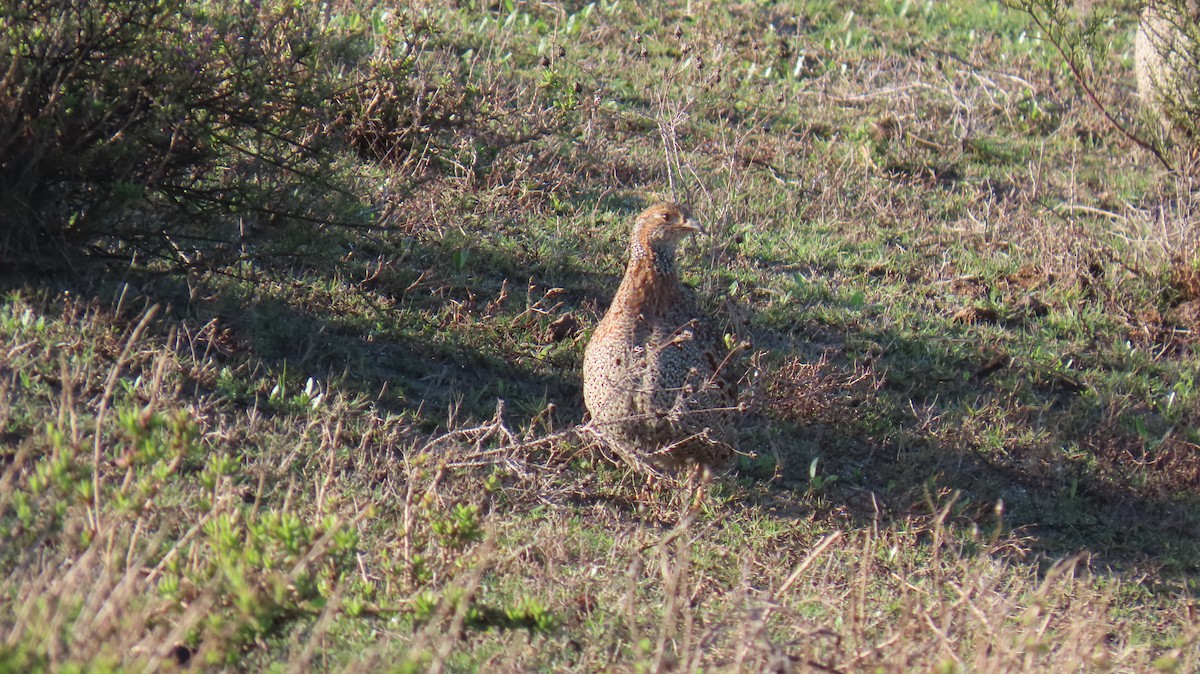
972,305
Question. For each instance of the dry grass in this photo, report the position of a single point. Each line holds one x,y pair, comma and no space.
662,580
973,412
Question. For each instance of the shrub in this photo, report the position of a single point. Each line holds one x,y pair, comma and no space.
1167,60
1076,39
174,130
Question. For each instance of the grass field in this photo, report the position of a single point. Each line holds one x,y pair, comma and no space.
972,310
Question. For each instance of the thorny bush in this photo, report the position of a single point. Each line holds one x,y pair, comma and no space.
183,132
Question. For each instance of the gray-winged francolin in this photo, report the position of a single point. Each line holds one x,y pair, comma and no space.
655,374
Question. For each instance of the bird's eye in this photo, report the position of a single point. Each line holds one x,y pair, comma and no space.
666,217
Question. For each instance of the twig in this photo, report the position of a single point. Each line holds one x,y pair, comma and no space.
109,388
1087,90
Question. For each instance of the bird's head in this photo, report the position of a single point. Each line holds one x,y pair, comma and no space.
662,226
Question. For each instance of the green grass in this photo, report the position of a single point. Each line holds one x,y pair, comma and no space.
974,412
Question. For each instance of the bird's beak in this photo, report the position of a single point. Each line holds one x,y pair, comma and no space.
694,225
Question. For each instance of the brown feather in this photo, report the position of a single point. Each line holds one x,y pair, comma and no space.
653,370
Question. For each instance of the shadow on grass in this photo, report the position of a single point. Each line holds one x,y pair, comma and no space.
419,325
932,418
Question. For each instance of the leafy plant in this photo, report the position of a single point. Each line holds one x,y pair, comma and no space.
459,527
181,132
1076,42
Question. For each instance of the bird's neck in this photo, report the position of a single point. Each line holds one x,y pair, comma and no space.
651,285
655,260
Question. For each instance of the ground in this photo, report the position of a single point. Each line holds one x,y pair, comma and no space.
971,310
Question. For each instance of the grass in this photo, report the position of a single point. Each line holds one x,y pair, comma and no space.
974,378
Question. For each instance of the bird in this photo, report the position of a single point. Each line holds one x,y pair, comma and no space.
656,374
1165,61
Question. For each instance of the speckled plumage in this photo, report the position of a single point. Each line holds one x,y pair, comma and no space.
655,374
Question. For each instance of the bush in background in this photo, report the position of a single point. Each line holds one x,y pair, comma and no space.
1167,60
177,130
